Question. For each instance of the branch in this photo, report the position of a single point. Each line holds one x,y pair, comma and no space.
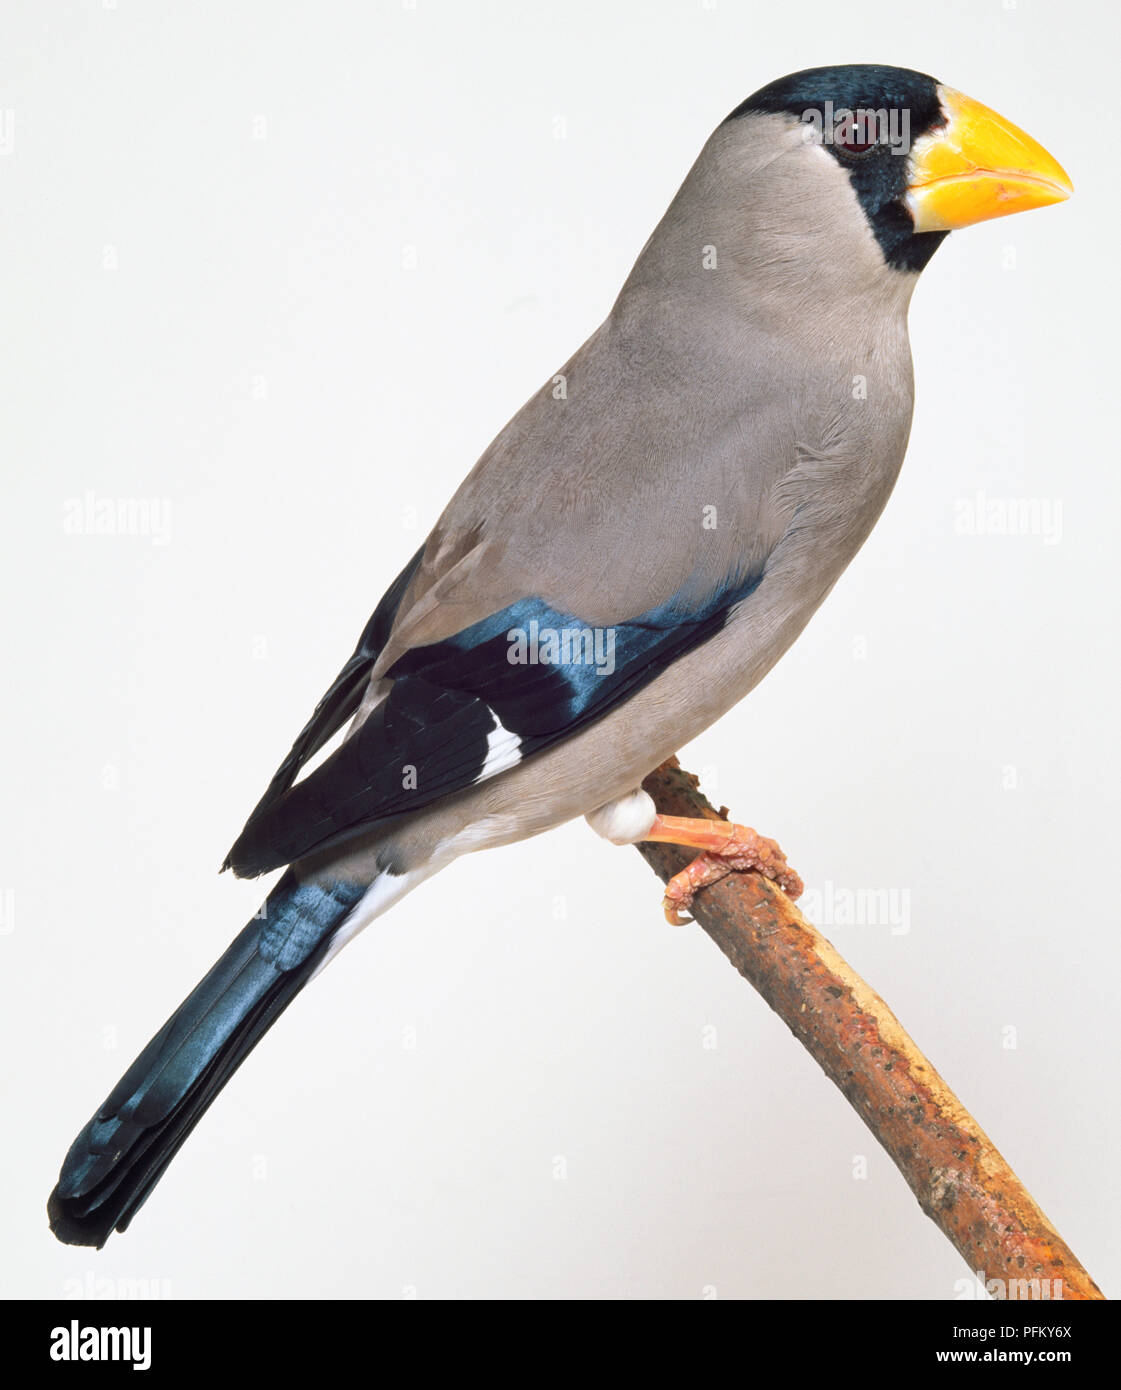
962,1183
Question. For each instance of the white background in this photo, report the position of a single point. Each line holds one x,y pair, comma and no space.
305,342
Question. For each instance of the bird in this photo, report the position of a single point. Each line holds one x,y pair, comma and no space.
628,558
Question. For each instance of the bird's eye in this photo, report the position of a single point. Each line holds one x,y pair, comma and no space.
854,136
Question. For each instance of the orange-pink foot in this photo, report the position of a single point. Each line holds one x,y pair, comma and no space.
725,848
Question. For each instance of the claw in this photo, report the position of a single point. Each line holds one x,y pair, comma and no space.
726,848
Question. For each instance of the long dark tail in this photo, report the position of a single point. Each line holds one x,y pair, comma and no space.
119,1157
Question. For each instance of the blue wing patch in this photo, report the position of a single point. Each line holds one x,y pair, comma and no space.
473,705
543,672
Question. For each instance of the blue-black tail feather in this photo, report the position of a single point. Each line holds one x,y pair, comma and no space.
119,1156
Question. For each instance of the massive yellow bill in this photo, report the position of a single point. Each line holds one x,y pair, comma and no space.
978,166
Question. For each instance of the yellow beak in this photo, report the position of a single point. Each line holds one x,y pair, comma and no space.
978,166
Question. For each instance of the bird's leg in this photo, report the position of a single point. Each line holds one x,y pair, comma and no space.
724,847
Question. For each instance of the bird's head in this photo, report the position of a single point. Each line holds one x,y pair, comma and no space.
922,158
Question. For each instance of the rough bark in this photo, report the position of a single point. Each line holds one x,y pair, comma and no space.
961,1181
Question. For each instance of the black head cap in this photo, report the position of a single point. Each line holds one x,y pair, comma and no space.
868,117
